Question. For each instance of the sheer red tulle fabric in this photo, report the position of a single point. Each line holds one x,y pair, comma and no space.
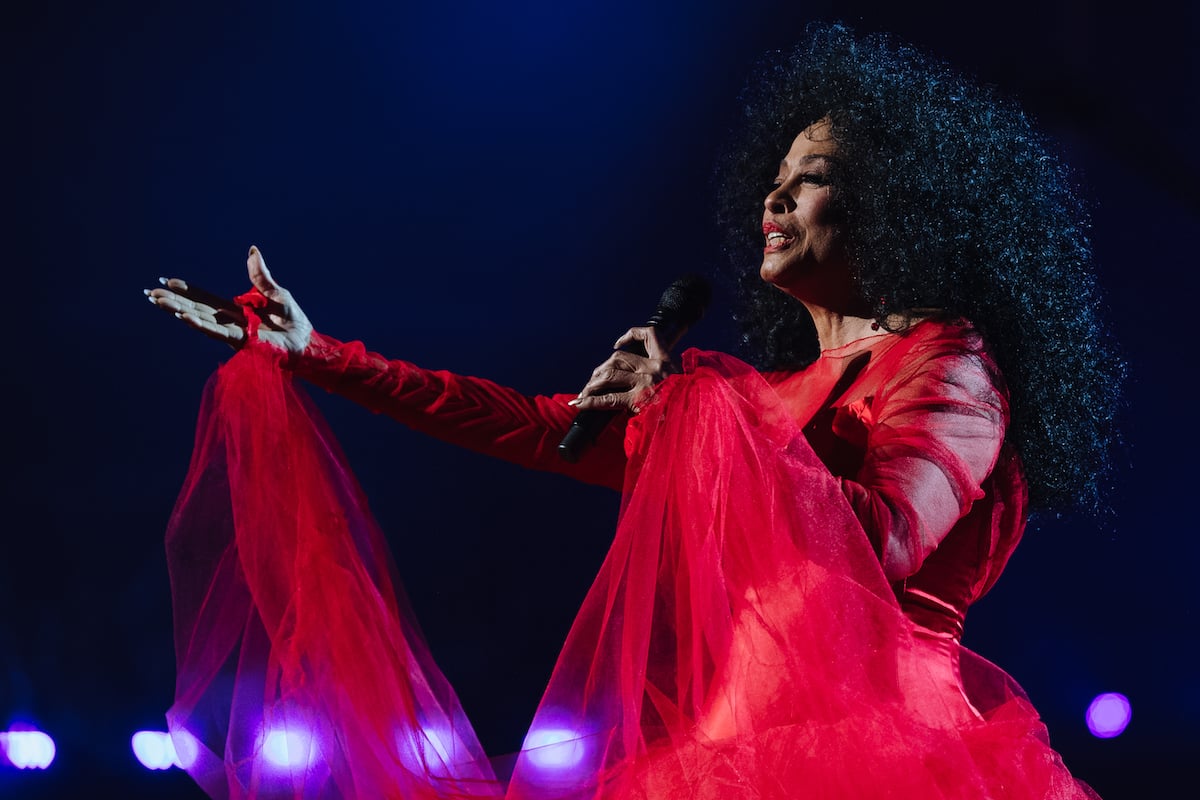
740,639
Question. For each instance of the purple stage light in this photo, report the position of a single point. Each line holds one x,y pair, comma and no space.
554,748
154,749
433,749
186,748
1108,715
289,748
27,749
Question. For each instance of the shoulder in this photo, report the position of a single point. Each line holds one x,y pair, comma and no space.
948,356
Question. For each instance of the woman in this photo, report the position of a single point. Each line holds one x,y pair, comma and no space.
781,610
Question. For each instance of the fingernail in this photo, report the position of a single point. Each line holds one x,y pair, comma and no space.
163,281
253,249
151,299
574,402
178,315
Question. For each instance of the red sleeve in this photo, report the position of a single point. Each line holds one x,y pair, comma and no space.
470,412
933,435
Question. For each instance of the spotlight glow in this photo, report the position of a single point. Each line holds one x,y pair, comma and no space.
554,748
154,749
1108,715
432,749
435,747
28,749
187,749
289,748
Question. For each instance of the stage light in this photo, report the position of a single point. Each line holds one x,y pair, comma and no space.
187,749
154,749
28,749
554,748
289,747
434,749
1108,715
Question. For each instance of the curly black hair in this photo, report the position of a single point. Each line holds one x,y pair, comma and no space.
953,201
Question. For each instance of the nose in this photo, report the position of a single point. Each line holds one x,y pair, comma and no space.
779,201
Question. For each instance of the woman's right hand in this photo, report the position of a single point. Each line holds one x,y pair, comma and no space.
284,324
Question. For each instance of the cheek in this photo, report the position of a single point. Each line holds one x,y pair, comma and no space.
823,222
820,210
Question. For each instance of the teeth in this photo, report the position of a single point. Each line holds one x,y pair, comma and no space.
775,237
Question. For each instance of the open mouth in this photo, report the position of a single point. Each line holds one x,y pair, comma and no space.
777,238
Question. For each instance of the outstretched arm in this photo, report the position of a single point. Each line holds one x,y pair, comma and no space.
471,412
474,413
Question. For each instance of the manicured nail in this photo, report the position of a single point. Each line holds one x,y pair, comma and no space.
151,299
163,281
253,250
574,402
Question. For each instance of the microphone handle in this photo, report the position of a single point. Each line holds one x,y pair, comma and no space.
587,424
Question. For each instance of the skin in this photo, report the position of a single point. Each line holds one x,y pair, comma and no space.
285,325
810,263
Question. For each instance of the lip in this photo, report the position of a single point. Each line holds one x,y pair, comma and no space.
769,228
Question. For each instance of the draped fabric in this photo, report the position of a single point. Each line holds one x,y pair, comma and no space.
741,639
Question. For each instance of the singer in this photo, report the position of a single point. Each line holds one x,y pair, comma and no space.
781,611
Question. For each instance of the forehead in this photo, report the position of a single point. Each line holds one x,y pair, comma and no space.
815,142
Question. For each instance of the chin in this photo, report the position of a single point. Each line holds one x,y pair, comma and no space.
778,275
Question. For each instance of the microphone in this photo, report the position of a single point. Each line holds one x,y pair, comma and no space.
681,306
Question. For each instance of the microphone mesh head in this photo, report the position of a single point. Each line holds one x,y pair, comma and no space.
685,301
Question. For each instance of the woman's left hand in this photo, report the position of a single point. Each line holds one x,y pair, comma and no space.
621,382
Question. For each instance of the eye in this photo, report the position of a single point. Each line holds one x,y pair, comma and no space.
814,179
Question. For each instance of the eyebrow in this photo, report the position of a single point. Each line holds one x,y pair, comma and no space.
811,157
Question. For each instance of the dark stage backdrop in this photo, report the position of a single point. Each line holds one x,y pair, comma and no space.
500,189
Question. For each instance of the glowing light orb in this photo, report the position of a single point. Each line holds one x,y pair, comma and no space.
554,748
28,749
436,746
187,749
432,749
154,749
1108,715
289,748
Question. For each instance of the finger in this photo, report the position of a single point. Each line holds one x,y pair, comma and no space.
229,333
648,336
615,401
631,335
204,301
177,303
612,375
260,276
654,347
204,318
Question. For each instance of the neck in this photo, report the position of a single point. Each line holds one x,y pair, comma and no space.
835,329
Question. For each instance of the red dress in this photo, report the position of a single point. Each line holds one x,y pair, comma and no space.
779,614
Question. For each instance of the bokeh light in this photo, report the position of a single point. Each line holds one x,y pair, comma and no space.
154,749
1108,715
28,749
554,748
289,747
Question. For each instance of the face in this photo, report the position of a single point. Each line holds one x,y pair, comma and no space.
805,254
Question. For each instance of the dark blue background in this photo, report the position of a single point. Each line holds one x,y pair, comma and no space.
500,189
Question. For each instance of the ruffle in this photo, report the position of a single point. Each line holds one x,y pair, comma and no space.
740,639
